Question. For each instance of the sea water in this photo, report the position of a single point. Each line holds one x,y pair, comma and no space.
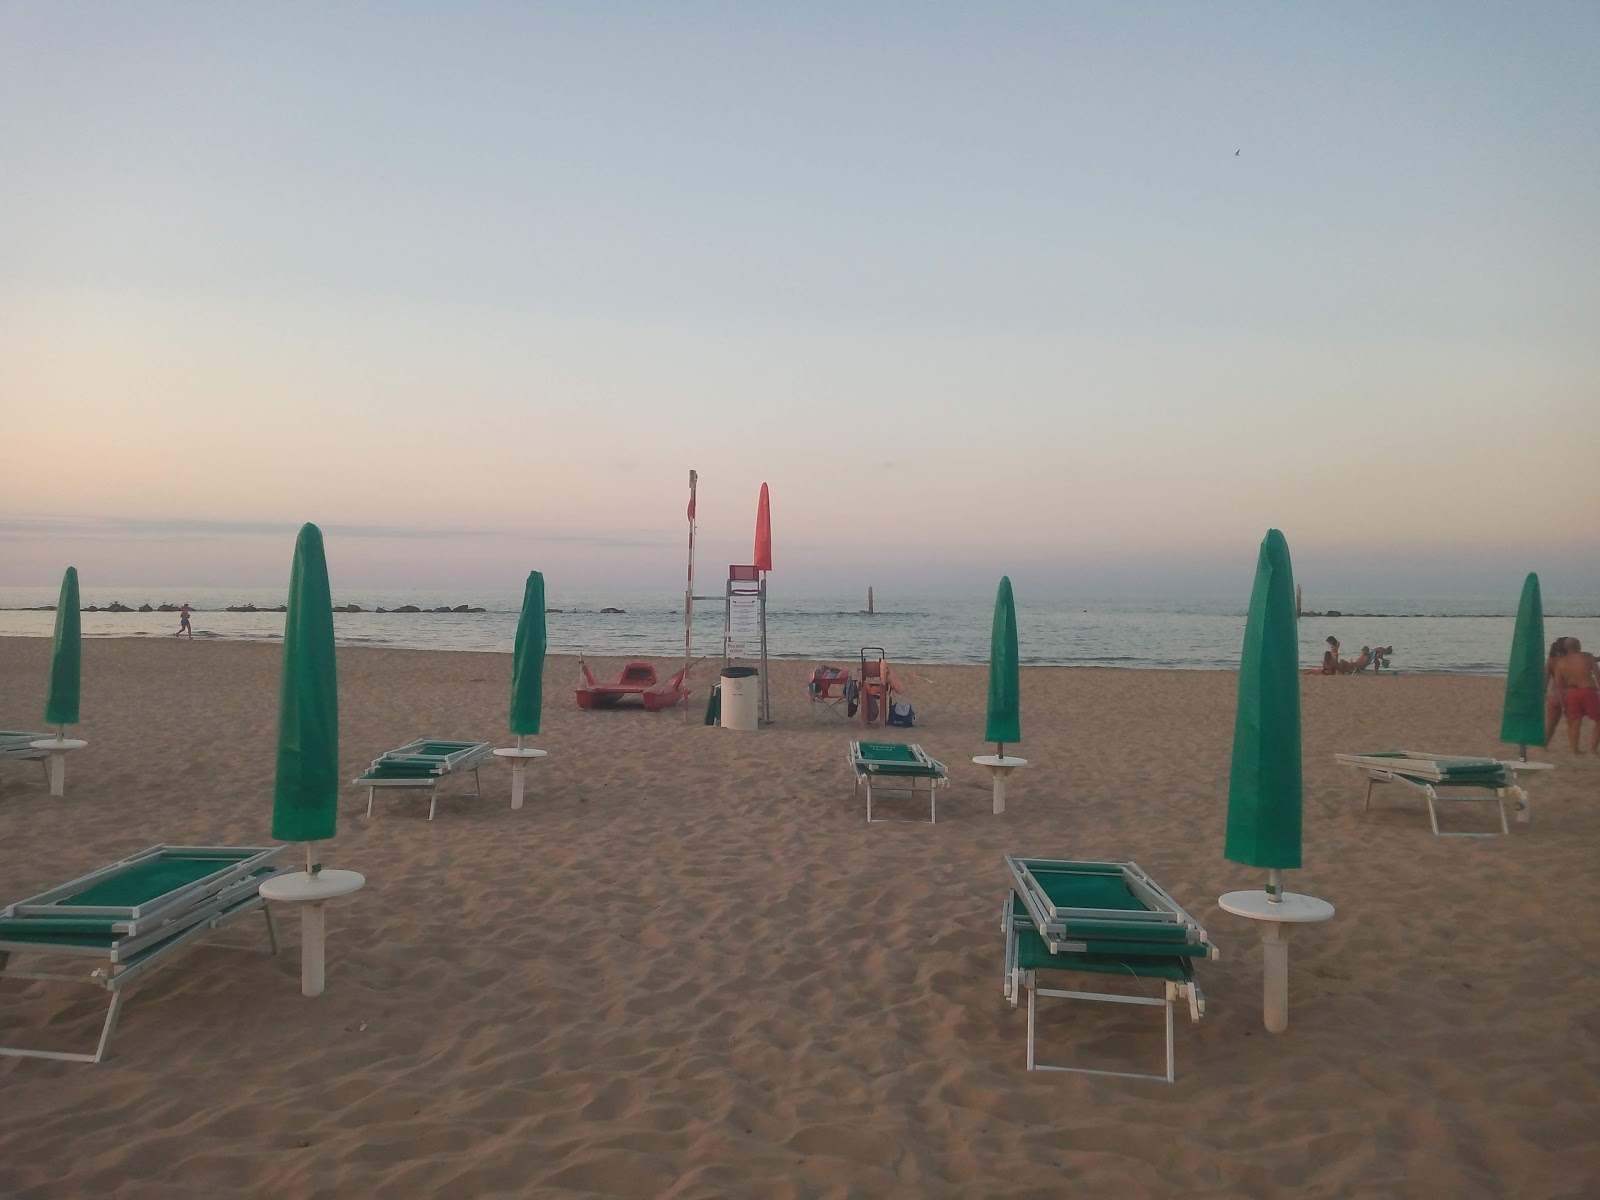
1428,635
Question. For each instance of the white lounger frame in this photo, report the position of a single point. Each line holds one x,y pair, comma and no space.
1422,774
1015,980
242,897
865,775
16,745
469,759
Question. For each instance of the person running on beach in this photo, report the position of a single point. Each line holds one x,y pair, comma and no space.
183,623
1578,677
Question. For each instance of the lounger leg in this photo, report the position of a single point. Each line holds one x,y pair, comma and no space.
110,1027
1433,816
433,800
1172,1072
1031,982
370,793
272,930
869,800
933,803
1366,803
477,784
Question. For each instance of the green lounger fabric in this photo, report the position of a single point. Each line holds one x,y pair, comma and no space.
402,769
883,753
1484,771
1082,890
1151,937
893,758
147,881
1034,955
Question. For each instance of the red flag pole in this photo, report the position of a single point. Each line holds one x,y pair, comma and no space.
688,600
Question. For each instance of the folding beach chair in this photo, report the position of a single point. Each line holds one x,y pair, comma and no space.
1103,919
890,764
1445,779
422,764
832,691
132,916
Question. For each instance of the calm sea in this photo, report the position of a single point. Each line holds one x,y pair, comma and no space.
1427,635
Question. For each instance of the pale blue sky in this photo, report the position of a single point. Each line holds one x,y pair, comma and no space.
976,288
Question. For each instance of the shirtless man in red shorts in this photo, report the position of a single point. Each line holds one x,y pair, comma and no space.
1578,677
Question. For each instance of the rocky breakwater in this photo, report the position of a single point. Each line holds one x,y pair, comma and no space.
412,608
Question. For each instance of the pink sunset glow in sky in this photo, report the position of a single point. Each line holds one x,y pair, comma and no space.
475,287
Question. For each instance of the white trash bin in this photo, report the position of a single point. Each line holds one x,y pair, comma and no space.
740,687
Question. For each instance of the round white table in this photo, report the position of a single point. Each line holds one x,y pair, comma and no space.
519,759
1275,922
57,749
999,768
311,892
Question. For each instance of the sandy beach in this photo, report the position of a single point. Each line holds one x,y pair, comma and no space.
688,967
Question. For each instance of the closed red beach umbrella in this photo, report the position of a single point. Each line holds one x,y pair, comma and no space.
764,532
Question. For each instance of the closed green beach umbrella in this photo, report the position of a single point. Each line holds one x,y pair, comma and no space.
527,661
66,659
1522,719
305,800
1005,705
1264,789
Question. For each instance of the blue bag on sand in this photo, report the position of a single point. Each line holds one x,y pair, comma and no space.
901,713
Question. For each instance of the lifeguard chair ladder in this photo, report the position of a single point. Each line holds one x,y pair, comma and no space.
744,620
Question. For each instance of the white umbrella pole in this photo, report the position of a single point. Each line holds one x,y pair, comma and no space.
1274,962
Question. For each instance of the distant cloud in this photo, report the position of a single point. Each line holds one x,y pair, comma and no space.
188,529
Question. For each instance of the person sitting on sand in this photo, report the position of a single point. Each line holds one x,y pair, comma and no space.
1578,677
1330,659
1554,702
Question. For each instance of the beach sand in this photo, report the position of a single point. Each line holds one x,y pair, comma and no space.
688,967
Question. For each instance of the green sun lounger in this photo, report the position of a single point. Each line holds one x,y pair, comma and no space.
131,916
422,764
1445,778
898,767
1102,919
18,745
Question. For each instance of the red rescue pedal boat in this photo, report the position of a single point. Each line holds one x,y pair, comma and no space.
635,679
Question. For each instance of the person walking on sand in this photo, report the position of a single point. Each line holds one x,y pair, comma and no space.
1578,677
1554,702
183,623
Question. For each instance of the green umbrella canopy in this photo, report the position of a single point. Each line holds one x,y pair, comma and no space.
1264,790
305,800
66,660
1005,706
1522,719
527,662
